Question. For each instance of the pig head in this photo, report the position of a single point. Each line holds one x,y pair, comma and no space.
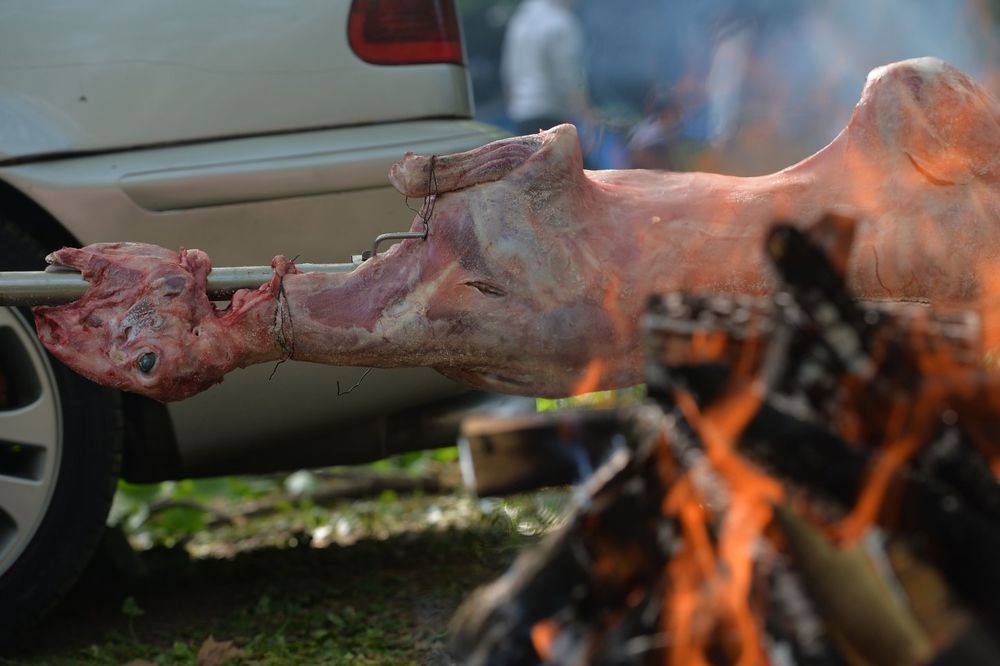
534,273
145,324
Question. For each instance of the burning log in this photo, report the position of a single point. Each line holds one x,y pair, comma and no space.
786,428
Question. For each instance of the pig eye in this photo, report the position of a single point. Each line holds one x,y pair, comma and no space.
146,362
486,288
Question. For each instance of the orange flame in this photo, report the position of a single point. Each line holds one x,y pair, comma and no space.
710,584
591,379
543,635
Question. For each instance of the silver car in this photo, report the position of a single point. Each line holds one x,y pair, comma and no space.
246,128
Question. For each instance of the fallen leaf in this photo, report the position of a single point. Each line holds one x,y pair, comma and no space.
217,653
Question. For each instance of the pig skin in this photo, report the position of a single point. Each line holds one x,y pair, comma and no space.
534,272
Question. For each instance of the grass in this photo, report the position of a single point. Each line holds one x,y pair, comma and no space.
262,571
363,582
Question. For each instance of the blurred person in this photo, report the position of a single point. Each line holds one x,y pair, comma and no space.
542,66
651,142
726,78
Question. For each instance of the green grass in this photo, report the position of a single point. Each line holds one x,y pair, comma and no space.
287,578
282,597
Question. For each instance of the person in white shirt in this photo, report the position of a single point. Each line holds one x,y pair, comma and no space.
542,66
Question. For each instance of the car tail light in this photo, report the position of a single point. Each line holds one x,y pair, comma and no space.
405,32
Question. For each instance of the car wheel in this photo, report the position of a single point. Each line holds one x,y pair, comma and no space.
60,451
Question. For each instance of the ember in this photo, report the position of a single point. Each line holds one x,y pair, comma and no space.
786,431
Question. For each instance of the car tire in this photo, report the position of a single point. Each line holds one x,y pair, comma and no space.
60,453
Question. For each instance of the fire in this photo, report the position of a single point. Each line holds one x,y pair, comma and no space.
711,578
709,605
542,636
908,374
892,404
988,279
886,392
591,379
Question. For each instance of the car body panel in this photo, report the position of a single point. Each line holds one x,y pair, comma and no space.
303,164
86,75
318,208
151,195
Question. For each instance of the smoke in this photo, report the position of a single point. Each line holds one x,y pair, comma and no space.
780,74
816,62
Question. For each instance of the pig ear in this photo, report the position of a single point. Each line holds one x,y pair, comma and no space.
70,257
92,263
96,255
550,156
198,264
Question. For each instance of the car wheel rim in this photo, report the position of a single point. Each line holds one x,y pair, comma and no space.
30,435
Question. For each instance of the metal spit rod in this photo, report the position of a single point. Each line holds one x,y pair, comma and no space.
53,287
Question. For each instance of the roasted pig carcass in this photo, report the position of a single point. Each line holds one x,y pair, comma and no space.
533,272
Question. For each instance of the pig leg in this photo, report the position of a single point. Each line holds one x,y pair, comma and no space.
420,176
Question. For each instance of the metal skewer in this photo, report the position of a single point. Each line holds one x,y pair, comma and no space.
53,287
57,284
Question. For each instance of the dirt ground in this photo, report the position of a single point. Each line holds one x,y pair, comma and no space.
370,582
